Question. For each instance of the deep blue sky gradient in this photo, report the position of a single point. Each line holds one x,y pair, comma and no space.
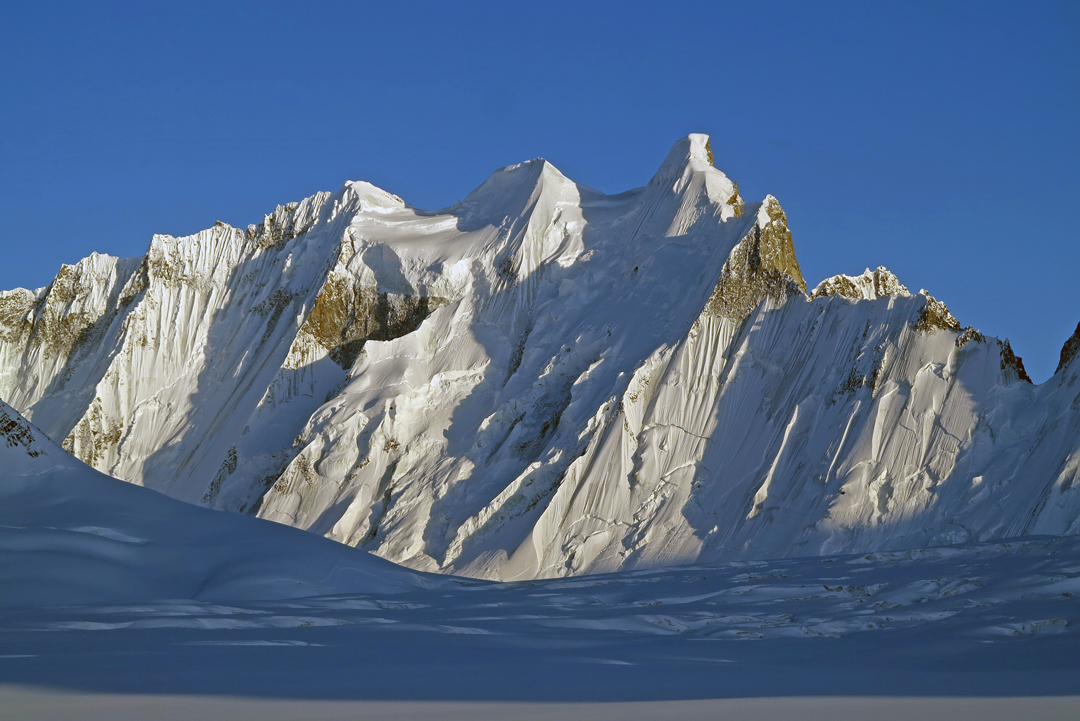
937,139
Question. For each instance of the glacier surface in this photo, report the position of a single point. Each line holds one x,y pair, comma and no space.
118,602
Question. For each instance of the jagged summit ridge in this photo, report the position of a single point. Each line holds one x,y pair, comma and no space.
542,380
871,285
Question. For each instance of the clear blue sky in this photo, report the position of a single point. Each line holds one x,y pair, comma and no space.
937,139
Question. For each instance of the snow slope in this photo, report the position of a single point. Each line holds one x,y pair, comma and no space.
107,588
71,535
544,380
983,620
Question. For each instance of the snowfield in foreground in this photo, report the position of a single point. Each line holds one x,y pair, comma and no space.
110,588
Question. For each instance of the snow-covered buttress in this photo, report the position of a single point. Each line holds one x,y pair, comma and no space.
545,380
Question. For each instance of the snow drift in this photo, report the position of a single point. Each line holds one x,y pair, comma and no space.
70,535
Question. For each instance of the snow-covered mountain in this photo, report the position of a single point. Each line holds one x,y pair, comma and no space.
545,380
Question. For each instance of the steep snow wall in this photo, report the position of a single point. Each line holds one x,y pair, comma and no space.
544,380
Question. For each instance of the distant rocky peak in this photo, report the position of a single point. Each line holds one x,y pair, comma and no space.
881,283
1069,350
776,246
935,315
871,285
1012,363
287,222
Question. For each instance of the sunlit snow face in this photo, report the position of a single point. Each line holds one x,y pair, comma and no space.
541,380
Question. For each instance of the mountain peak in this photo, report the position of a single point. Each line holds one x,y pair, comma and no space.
694,151
512,178
1070,349
372,198
689,156
688,168
871,285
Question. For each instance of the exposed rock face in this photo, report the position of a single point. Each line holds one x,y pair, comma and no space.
871,285
1012,362
968,335
935,316
16,432
1069,350
348,314
762,265
544,380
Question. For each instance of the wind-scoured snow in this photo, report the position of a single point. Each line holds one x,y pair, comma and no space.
544,380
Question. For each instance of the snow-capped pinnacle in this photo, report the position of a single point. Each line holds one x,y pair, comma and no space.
693,151
689,168
373,199
871,285
508,189
688,156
